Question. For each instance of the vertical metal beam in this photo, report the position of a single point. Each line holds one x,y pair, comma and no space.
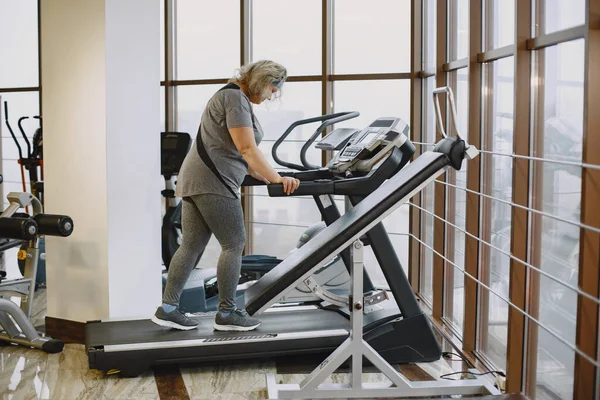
246,57
327,57
39,26
440,189
170,66
416,122
326,68
589,250
473,177
519,241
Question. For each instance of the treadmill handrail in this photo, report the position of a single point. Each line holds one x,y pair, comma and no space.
341,116
351,226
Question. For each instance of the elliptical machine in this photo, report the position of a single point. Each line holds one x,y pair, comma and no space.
33,162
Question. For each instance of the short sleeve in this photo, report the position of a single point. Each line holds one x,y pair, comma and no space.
237,109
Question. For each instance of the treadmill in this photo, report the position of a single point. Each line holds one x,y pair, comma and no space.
393,323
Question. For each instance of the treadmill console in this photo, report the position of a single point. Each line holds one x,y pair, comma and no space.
368,146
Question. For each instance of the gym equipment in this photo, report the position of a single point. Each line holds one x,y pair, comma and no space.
174,146
397,328
448,153
14,320
200,294
32,161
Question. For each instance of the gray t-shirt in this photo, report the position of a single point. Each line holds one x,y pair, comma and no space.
228,108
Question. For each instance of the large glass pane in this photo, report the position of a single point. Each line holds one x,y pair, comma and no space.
371,37
503,24
162,39
427,196
208,38
279,217
19,43
20,104
456,210
373,99
429,34
561,194
191,102
497,182
299,100
459,29
563,14
292,38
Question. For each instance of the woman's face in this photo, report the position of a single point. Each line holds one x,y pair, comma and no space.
266,95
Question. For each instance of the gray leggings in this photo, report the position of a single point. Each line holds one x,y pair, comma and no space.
203,215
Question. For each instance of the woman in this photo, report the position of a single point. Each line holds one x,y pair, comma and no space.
209,184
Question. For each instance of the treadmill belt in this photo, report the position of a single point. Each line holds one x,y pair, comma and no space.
145,331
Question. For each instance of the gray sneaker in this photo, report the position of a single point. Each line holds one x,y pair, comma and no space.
174,319
238,320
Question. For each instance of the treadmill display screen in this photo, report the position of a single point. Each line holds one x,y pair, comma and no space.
382,123
370,136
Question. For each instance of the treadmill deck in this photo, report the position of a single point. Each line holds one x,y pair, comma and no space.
134,332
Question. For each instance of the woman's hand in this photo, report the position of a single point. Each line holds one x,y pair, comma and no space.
289,184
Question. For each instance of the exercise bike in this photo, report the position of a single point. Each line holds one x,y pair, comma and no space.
200,294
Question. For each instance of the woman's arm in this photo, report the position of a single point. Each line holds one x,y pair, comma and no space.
243,138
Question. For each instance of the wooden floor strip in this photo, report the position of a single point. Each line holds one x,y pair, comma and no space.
170,384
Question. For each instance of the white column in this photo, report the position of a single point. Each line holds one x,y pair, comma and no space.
101,113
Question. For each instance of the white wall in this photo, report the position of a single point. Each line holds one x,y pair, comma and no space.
100,104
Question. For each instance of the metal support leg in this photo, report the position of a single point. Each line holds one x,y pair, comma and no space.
312,387
18,329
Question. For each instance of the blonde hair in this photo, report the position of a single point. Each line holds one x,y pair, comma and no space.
259,76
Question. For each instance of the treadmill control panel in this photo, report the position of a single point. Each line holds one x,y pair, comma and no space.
366,144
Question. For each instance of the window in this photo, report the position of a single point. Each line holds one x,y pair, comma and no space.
456,208
162,40
286,218
191,102
289,33
19,52
496,227
459,27
208,39
373,99
427,196
502,20
563,14
560,191
429,34
371,37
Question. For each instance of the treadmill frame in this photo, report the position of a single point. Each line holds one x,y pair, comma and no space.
355,347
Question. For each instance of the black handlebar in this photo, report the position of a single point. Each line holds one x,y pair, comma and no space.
24,135
329,120
11,131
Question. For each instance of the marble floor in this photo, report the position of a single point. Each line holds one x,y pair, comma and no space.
32,374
